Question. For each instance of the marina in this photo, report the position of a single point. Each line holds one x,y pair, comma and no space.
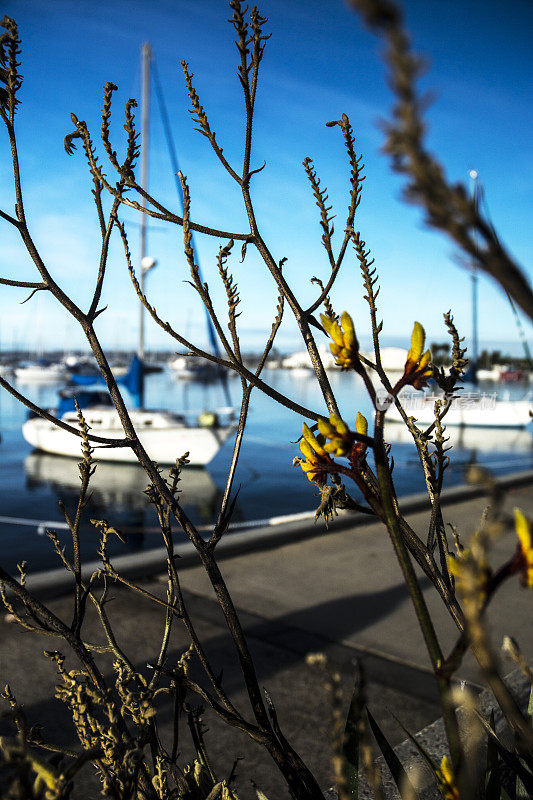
32,483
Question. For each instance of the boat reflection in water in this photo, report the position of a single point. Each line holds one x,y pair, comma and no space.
117,493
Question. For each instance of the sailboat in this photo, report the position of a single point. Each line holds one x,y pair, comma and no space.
165,435
469,409
40,371
472,408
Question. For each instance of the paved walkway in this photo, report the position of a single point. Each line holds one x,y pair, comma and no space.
340,593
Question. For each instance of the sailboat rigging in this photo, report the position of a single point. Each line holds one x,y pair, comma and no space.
213,341
165,435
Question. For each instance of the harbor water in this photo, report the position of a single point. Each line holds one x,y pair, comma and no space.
32,485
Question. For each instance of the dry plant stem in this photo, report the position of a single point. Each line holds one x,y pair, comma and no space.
299,314
422,556
91,314
356,179
421,610
234,720
165,641
12,221
112,645
195,273
183,612
74,527
60,424
232,365
416,547
437,522
222,522
22,284
220,527
300,781
301,317
447,206
298,777
130,184
294,770
434,487
56,625
201,119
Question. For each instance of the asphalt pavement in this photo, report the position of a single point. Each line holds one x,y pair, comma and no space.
337,592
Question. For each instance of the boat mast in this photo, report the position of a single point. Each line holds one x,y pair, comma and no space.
175,171
475,341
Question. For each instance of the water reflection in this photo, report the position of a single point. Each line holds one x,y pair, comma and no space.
119,487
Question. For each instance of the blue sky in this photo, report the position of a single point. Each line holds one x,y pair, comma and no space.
319,63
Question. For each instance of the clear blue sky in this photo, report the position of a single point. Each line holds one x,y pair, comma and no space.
319,63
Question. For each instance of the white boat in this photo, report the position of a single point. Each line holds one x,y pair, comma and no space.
469,409
482,440
301,360
191,368
40,372
393,362
165,435
493,375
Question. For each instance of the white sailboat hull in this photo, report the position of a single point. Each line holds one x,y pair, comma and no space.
35,373
477,411
516,441
164,437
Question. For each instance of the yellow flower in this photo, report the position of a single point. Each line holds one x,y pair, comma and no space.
417,369
525,538
361,425
359,448
446,780
472,573
315,456
345,346
340,438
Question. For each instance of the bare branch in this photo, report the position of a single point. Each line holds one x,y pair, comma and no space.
60,424
447,205
200,117
92,312
234,365
9,218
23,284
321,198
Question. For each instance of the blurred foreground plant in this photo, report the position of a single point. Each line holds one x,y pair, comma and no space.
116,720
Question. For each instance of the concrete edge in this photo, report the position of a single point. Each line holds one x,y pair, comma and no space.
276,532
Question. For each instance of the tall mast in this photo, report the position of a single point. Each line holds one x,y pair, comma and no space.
475,341
145,111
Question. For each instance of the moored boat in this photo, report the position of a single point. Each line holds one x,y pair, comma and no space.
41,371
470,409
165,435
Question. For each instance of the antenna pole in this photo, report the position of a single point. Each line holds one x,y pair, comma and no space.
145,109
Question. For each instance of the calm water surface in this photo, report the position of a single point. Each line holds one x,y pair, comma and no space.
31,484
